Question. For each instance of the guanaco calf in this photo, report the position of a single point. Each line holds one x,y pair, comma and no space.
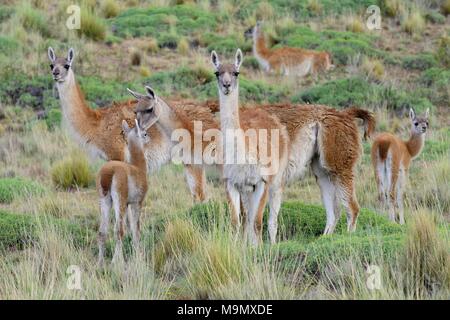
391,158
286,60
123,185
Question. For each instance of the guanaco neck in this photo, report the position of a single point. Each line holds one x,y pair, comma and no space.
230,122
136,156
75,109
415,144
260,50
168,119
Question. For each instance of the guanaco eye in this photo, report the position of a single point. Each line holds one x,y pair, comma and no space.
217,73
149,110
416,124
66,67
236,74
51,67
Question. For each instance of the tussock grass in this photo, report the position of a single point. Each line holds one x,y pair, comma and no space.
426,258
72,172
414,23
110,8
92,26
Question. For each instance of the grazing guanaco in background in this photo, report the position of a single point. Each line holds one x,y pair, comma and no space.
247,183
99,131
122,186
287,60
391,158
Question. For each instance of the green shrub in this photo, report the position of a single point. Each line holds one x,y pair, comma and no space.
53,118
92,26
360,92
435,17
16,88
443,51
19,231
33,19
8,45
72,172
5,13
421,61
437,81
182,20
11,188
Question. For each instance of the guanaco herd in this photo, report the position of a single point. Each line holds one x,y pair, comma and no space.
135,138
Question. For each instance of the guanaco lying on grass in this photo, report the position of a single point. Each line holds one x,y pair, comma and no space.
287,60
123,185
391,158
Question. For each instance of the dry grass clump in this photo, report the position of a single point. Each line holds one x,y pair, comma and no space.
355,24
426,258
315,6
373,68
414,22
443,51
445,7
135,57
72,172
264,11
183,46
110,8
394,8
92,26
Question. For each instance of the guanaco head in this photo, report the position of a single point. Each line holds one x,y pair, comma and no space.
419,124
136,135
147,107
227,73
60,67
252,32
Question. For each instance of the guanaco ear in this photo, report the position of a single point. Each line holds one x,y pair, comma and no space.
238,59
135,94
150,92
51,54
412,114
70,56
125,127
138,128
215,60
427,113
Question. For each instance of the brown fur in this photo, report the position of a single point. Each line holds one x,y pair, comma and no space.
286,60
391,158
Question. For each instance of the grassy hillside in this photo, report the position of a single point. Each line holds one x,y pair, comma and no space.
49,208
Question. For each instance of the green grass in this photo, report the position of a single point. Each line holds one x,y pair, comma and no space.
8,45
20,230
12,188
421,61
360,92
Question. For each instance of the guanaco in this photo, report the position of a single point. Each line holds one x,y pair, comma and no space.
99,131
391,158
247,183
287,60
122,186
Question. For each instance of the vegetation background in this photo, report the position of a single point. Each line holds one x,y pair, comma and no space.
48,205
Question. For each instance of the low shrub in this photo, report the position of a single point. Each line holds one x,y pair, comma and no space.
8,45
72,172
421,61
435,17
20,231
11,188
357,91
53,118
5,13
443,51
